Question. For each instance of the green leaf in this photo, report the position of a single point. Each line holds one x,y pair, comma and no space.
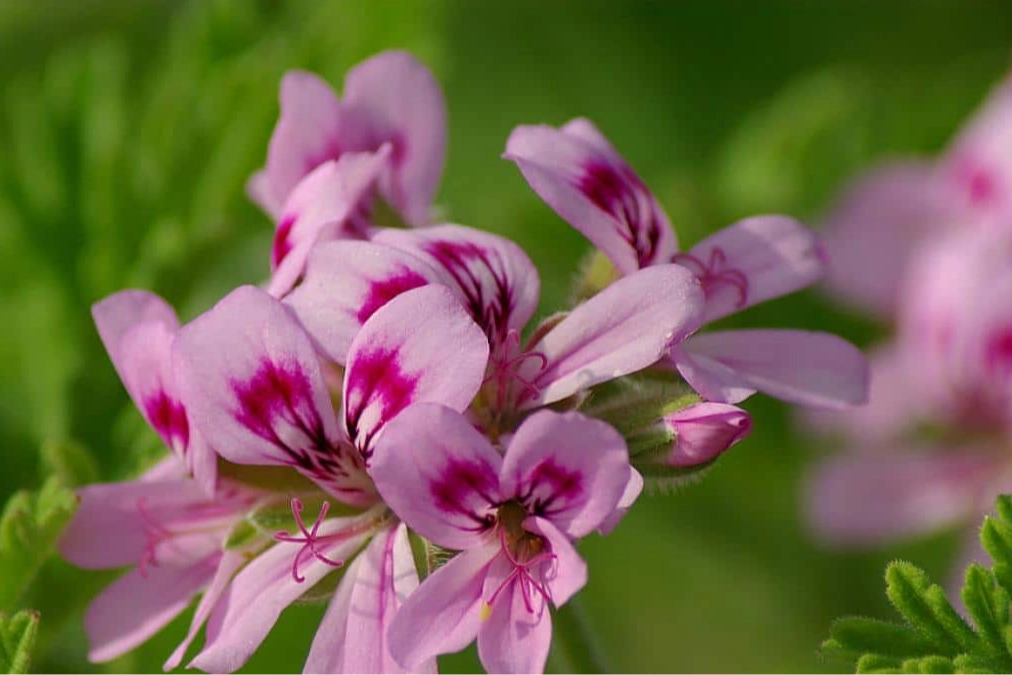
30,525
925,606
70,461
935,638
17,637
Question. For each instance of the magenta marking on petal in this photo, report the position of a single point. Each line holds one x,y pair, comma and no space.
460,479
282,240
382,292
979,182
168,417
715,273
458,258
618,191
548,483
998,353
279,396
376,377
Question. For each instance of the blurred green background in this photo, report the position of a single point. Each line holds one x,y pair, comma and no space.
127,130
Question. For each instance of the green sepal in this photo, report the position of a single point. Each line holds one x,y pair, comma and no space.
17,638
243,535
29,527
323,590
277,479
637,402
596,273
663,479
428,557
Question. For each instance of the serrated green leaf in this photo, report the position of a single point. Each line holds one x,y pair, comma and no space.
928,664
927,609
967,663
988,604
17,638
996,537
29,527
876,663
863,635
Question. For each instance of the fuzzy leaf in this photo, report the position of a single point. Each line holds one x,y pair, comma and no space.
925,606
863,635
17,637
70,462
30,525
988,604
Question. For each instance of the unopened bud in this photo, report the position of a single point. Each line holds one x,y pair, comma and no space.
705,430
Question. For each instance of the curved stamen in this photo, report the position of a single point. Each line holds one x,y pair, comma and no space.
505,364
521,573
310,539
714,273
155,533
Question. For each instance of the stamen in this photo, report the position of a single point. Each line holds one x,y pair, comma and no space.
521,573
310,541
505,364
713,273
155,533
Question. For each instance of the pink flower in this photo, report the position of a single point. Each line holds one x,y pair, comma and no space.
391,99
928,452
252,378
703,431
513,516
172,531
625,328
138,330
585,180
877,223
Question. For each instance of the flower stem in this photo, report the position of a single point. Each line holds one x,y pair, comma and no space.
575,647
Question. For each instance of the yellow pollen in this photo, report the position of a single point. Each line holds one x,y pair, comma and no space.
486,611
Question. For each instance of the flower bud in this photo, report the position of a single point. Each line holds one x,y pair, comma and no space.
705,430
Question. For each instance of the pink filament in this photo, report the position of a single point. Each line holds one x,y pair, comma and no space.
310,541
505,366
713,273
522,571
155,533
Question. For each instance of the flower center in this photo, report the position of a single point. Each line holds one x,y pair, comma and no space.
533,565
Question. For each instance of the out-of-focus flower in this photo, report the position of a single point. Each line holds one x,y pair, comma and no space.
514,516
930,450
585,180
878,222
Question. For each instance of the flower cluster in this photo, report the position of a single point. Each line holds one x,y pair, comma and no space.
935,251
380,428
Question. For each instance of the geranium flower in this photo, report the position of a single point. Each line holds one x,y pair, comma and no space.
514,516
585,180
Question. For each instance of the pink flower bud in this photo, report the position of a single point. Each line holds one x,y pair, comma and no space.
704,430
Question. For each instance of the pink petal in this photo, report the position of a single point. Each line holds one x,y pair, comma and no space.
254,387
313,127
405,106
346,282
258,189
592,188
548,467
262,590
420,346
633,488
875,225
439,475
133,512
569,571
328,204
444,614
494,278
753,260
896,403
512,639
352,638
703,431
138,605
626,327
866,500
977,168
803,367
230,563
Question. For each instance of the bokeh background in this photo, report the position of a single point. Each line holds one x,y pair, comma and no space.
127,130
